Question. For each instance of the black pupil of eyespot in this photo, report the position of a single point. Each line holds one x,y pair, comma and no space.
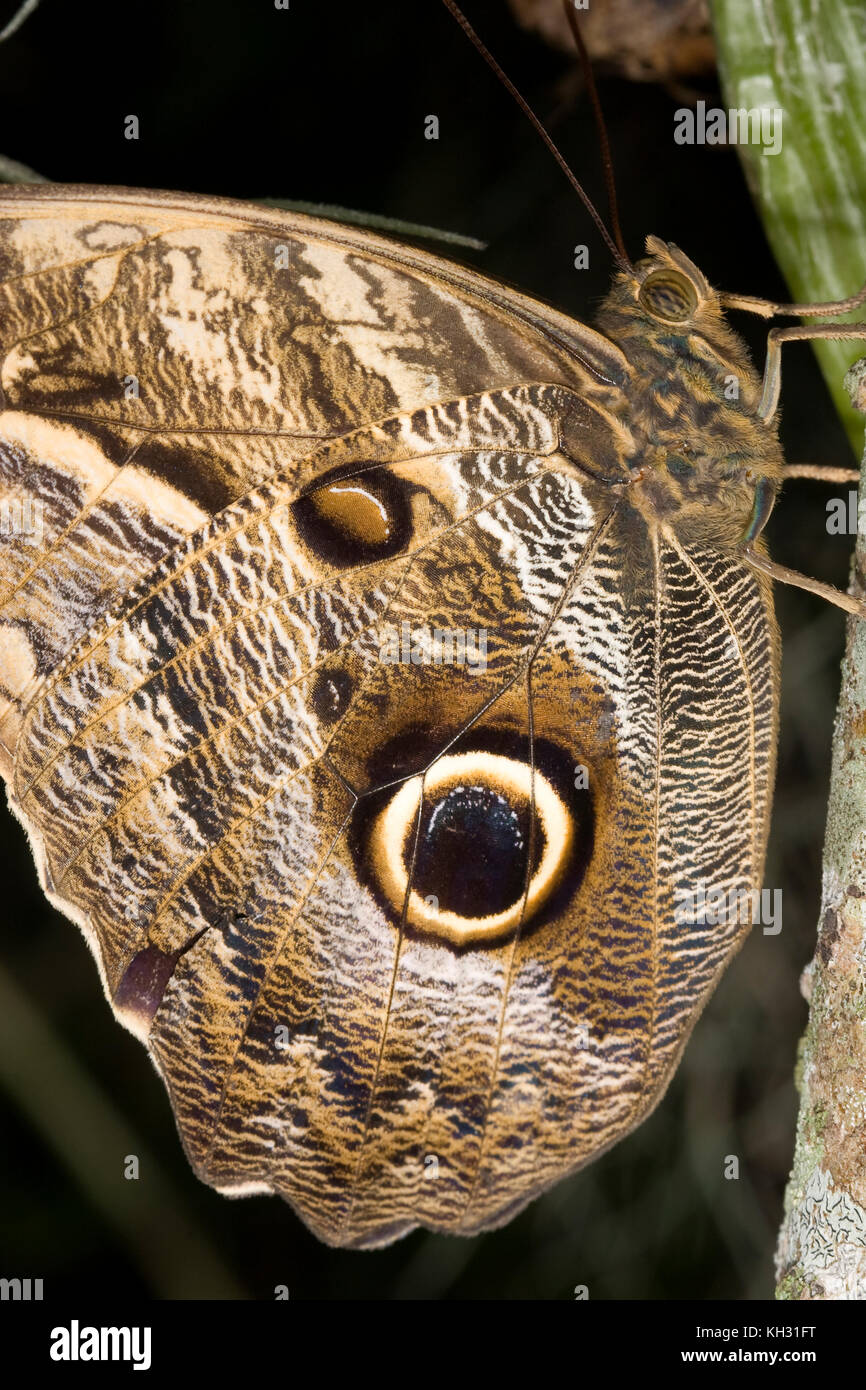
471,853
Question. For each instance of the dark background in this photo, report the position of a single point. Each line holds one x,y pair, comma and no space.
326,103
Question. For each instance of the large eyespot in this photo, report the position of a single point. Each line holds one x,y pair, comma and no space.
355,517
668,295
481,816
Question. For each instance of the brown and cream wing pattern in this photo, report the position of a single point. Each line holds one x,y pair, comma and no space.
274,459
162,355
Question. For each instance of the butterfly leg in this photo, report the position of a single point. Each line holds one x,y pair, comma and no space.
797,332
821,473
758,560
769,309
783,575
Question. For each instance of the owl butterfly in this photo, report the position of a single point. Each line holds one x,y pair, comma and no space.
383,655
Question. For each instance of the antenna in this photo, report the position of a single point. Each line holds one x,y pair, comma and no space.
616,248
600,126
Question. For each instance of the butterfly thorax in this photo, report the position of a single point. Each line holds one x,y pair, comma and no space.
700,447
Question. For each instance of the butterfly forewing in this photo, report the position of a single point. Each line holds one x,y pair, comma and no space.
396,919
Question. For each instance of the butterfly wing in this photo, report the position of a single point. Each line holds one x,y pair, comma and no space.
162,355
396,917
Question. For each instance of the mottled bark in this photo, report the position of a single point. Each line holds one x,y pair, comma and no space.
822,1244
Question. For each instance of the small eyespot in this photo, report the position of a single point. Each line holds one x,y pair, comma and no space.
669,296
330,694
356,518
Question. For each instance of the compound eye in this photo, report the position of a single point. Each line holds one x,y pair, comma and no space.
669,296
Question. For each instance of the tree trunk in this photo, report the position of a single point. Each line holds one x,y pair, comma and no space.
822,1243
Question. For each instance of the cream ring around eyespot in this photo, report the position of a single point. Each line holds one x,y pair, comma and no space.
395,826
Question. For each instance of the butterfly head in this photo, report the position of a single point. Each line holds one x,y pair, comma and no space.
665,298
702,453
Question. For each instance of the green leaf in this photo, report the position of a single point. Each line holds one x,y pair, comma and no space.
808,59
